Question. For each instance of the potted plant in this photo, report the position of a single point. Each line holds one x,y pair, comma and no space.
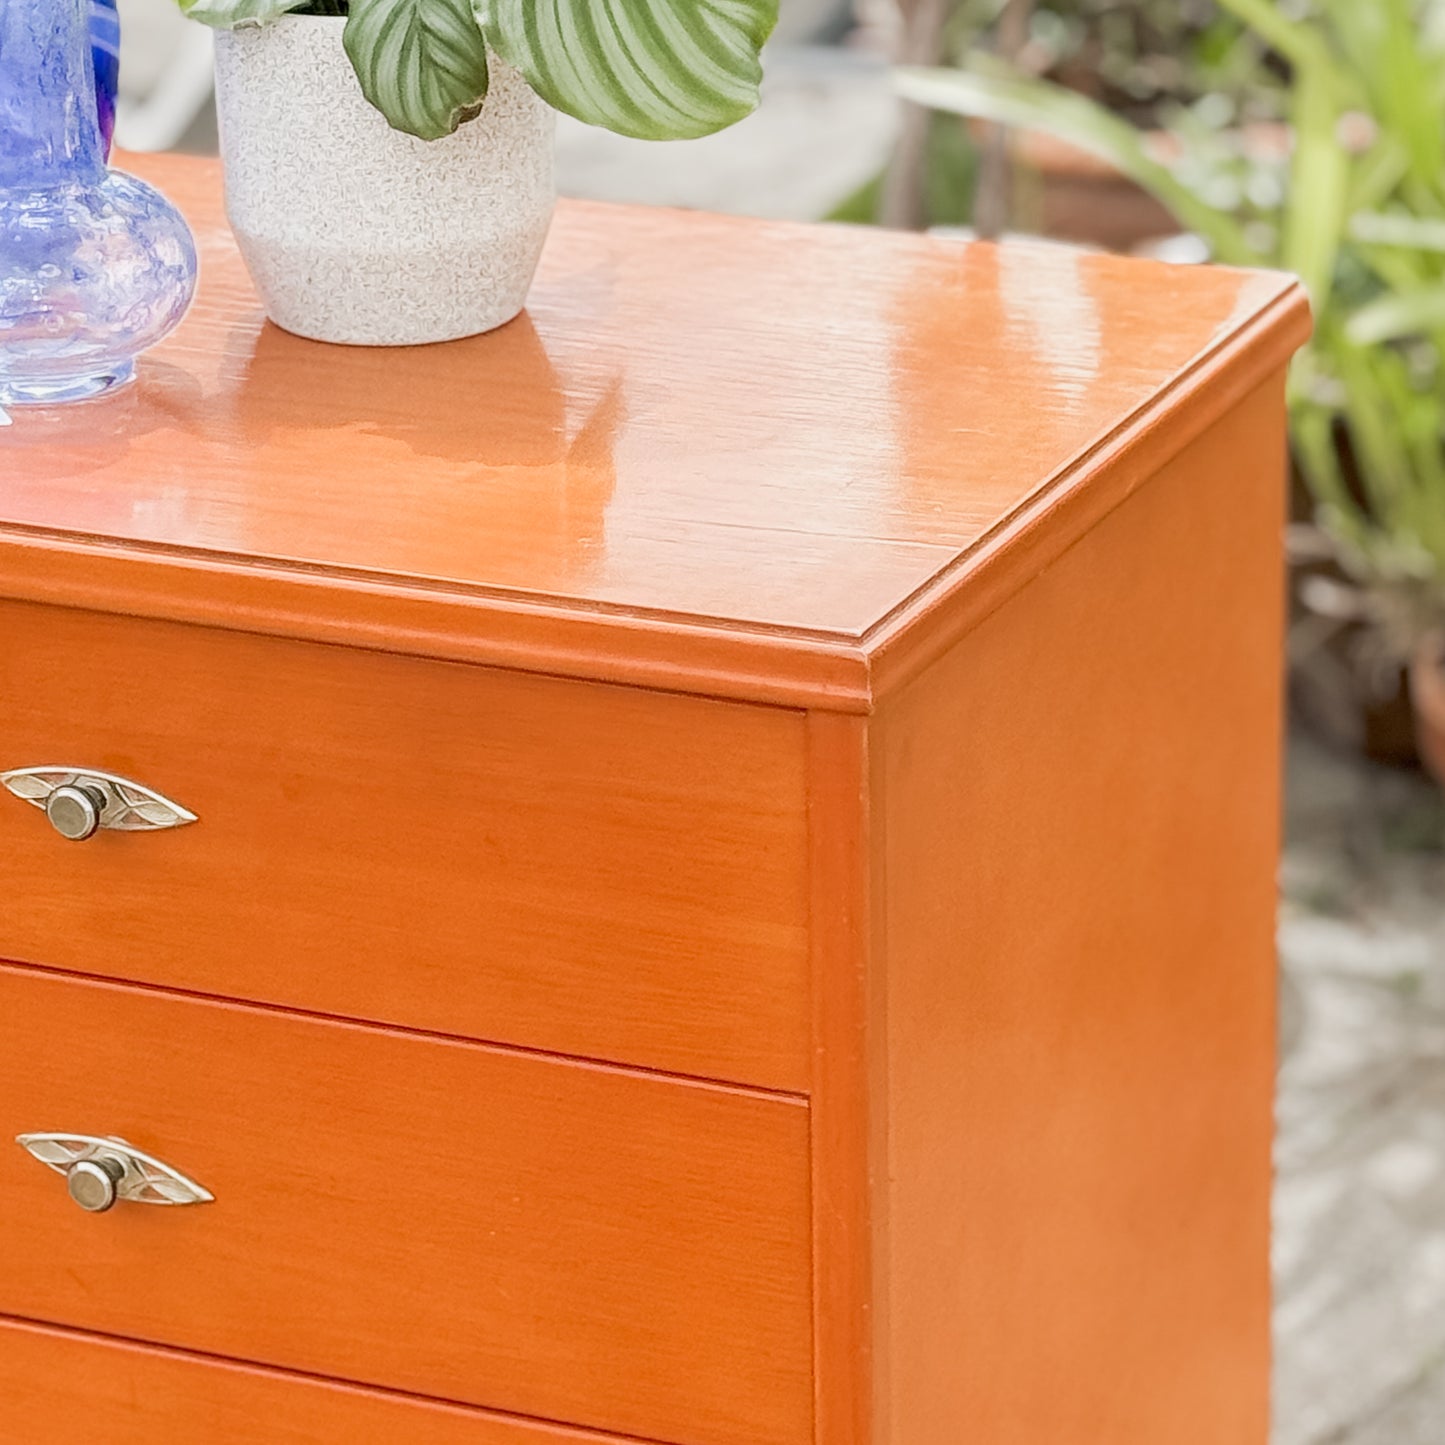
388,163
1355,204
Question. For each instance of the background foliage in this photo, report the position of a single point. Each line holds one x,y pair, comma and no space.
1351,196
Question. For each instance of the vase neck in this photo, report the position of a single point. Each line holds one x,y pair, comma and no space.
49,129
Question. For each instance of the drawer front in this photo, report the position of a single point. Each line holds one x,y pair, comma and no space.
552,1239
59,1387
595,871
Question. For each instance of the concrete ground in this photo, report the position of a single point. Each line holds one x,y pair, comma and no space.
1360,1202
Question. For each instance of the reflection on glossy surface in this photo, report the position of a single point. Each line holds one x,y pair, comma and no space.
487,462
794,426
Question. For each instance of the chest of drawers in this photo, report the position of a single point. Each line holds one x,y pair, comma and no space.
694,871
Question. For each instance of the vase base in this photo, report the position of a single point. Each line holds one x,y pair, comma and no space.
57,390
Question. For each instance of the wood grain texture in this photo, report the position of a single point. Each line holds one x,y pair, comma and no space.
583,869
649,477
62,1387
849,1090
1075,833
975,912
564,1241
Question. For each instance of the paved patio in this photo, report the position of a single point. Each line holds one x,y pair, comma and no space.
1360,1204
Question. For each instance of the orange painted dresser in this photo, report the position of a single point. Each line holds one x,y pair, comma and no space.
697,870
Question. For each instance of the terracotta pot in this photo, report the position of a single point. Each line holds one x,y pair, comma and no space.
1427,692
1076,196
1335,691
1330,700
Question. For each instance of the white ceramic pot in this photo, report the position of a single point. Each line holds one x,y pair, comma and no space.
357,233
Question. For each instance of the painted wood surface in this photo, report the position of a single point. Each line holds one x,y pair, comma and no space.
612,1249
714,454
62,1387
1067,927
584,869
975,912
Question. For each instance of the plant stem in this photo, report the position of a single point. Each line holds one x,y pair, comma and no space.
993,199
902,202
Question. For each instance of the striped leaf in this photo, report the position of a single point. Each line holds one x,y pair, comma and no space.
421,63
228,14
657,69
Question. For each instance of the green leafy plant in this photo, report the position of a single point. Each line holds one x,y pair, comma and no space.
1139,57
1143,59
1354,202
656,69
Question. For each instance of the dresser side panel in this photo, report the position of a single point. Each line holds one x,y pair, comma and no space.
1076,829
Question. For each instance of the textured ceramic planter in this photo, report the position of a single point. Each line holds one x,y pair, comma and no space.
357,233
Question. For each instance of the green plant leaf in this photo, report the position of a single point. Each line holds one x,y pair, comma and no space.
656,69
1006,98
231,14
1416,233
1319,182
1376,175
1318,454
421,63
1397,316
1320,172
1409,96
1298,41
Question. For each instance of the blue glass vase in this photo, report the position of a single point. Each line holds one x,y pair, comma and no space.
95,266
105,55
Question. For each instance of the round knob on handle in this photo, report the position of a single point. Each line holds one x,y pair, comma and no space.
94,1184
74,811
101,1170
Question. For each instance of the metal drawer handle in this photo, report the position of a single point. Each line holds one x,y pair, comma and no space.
80,801
101,1171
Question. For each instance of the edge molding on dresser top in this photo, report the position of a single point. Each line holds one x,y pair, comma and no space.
662,487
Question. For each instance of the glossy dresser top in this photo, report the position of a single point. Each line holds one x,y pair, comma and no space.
729,456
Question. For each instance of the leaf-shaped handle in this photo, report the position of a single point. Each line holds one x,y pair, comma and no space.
52,1149
101,1170
82,801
